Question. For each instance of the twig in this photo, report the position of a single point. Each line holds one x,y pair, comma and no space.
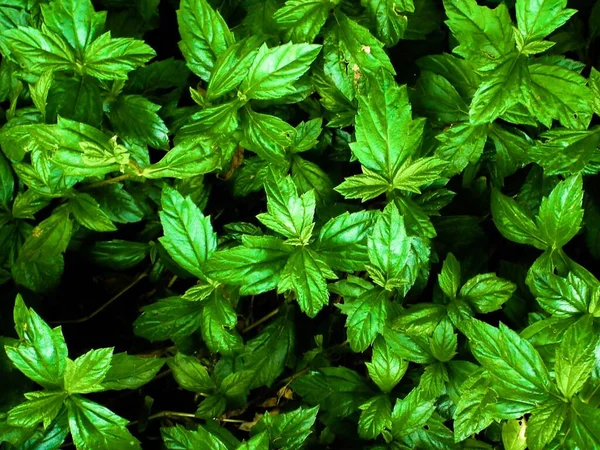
136,280
114,180
260,321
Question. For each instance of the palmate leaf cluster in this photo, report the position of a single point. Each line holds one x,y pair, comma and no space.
360,224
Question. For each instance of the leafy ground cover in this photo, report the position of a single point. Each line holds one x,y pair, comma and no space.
268,224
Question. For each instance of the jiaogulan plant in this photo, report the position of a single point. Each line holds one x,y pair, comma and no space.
324,224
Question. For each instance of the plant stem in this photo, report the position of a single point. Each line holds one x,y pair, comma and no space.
260,321
114,180
135,281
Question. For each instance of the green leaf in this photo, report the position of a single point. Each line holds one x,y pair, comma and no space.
515,364
514,223
444,341
118,204
268,136
188,235
584,424
112,59
171,317
438,99
119,254
204,36
461,145
449,277
386,368
288,214
351,52
130,372
180,438
561,213
288,431
302,20
135,118
218,325
561,94
538,18
513,435
487,292
267,354
187,159
86,373
484,34
257,442
256,266
87,212
75,20
366,317
41,406
500,90
39,92
389,247
343,240
389,18
36,51
562,297
366,186
274,71
190,374
565,152
75,97
7,183
411,413
306,274
386,135
308,176
412,175
376,416
231,67
473,411
41,355
575,357
94,426
545,423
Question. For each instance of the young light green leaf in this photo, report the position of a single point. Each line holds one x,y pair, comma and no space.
86,373
288,214
187,159
39,91
449,277
513,434
180,438
366,186
561,213
266,135
41,406
412,175
575,356
288,431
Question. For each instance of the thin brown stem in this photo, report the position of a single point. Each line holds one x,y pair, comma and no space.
108,181
260,321
135,281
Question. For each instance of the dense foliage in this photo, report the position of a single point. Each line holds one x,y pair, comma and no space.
269,224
